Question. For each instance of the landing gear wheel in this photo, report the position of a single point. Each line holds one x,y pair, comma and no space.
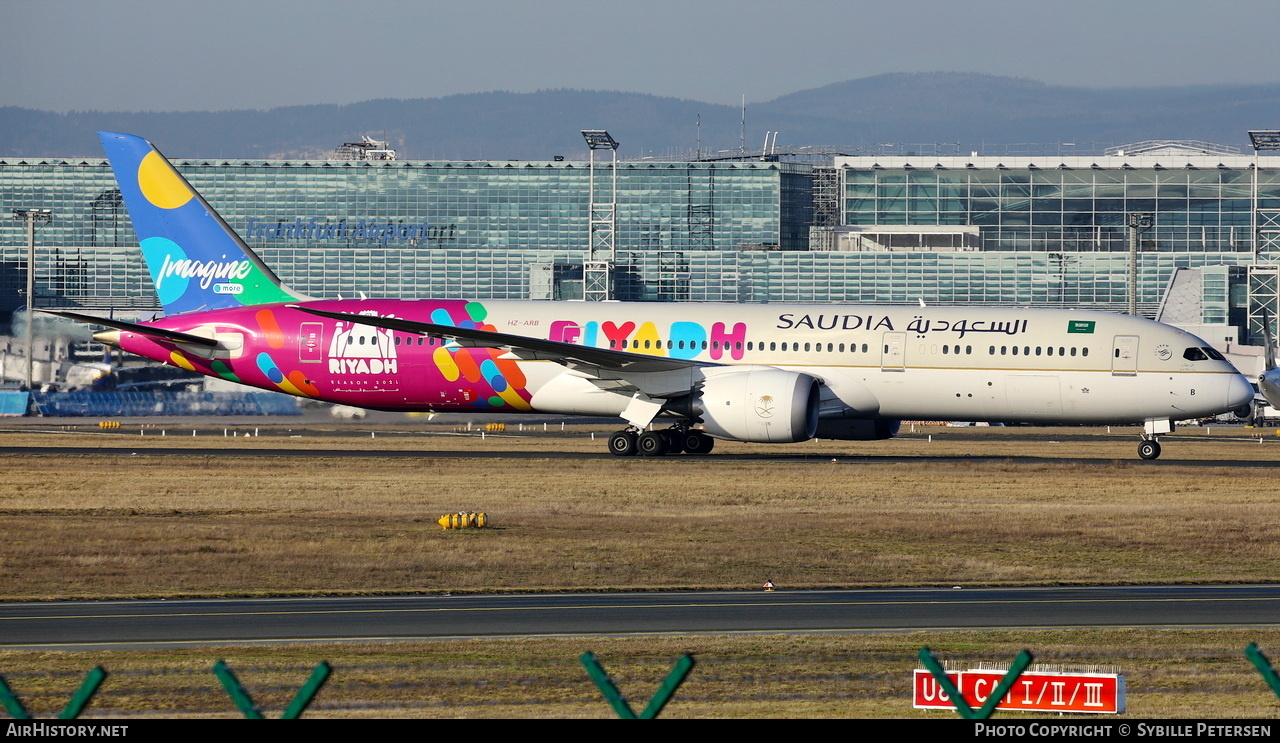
652,444
622,444
697,442
675,441
1149,449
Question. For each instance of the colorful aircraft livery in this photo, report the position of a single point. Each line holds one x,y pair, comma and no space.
762,373
170,218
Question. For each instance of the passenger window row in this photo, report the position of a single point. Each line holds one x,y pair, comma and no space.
738,346
1037,351
408,340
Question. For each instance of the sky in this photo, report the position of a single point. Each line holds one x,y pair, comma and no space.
206,55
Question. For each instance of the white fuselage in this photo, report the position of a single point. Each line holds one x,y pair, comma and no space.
946,363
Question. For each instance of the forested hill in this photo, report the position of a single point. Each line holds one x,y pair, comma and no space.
964,110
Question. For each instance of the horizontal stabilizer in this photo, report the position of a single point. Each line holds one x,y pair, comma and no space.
147,330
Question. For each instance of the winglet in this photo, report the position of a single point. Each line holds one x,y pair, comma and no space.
196,260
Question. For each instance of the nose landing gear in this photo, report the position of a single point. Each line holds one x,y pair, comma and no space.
1149,448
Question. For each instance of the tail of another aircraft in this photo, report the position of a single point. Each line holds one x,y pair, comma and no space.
197,262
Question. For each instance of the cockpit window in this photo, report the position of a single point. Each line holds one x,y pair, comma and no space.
1213,354
1194,354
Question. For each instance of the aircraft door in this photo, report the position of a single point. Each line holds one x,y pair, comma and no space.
1124,355
310,335
893,352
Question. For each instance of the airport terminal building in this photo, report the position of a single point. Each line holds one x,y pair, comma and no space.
484,230
1052,230
892,227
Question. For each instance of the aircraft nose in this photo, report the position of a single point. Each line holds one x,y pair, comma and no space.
1239,392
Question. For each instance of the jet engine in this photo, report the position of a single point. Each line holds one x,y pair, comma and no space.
761,404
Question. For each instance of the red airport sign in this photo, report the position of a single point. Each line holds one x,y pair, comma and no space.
1090,693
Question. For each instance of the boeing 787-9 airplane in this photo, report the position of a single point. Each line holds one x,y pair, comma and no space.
759,372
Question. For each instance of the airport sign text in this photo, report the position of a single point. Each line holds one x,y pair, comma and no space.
1095,693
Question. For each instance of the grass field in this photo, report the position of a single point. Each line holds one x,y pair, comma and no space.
102,525
1169,674
965,508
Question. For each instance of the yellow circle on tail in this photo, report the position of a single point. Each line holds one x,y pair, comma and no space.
160,183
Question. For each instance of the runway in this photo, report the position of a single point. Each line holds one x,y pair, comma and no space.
1043,445
716,457
157,624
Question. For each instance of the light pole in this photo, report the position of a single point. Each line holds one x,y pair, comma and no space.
597,270
32,217
1262,139
1264,229
1138,222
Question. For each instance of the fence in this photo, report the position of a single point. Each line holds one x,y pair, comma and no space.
462,682
107,404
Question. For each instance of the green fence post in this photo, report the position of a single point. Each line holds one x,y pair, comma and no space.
237,692
11,702
1263,665
668,688
85,693
606,686
78,702
1020,664
300,702
303,698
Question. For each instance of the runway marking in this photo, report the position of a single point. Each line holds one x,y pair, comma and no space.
124,644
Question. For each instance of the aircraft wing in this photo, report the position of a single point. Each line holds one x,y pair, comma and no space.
147,330
600,363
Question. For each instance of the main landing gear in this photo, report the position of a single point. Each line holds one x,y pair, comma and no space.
675,440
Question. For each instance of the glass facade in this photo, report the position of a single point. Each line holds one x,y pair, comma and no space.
1047,233
1076,208
1053,231
411,229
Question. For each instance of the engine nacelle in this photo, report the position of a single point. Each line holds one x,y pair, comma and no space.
857,430
761,404
1269,386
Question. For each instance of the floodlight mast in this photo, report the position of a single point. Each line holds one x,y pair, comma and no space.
32,217
597,270
1138,222
1261,139
1264,227
599,139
